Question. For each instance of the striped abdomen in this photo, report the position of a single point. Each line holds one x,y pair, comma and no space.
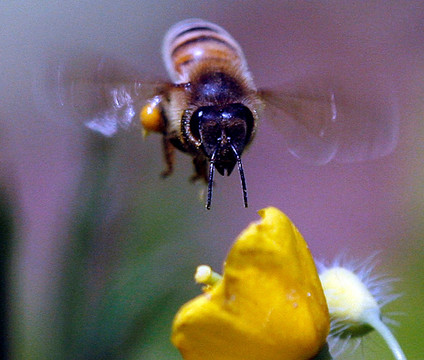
194,41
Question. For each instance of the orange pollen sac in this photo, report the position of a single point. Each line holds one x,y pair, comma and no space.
151,117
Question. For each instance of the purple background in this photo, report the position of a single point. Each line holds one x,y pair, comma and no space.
356,209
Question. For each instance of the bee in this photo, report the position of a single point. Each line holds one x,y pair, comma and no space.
211,109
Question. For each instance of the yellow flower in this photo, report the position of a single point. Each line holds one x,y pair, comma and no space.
269,304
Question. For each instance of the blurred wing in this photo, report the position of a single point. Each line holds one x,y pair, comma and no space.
308,123
104,94
324,125
368,125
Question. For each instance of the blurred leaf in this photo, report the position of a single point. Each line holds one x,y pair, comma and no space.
124,268
88,216
6,233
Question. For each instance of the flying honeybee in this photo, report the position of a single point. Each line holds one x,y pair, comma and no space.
211,108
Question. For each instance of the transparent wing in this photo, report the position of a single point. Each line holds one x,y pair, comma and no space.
104,94
307,123
368,124
329,124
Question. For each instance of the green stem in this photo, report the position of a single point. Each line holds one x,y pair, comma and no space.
324,354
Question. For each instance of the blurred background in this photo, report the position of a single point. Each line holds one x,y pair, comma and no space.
98,253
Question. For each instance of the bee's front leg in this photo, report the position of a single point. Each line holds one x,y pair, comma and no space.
169,154
200,169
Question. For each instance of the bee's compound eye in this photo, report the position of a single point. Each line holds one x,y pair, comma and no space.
151,117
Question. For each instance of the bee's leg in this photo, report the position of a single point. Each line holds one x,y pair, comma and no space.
169,154
200,169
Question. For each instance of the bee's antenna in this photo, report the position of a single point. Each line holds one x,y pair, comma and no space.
241,172
210,180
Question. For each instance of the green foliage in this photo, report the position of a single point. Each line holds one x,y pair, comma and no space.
6,233
127,270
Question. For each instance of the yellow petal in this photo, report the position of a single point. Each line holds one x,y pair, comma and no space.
269,305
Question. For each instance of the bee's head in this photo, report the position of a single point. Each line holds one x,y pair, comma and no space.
223,133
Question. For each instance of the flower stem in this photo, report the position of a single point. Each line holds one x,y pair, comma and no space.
374,320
